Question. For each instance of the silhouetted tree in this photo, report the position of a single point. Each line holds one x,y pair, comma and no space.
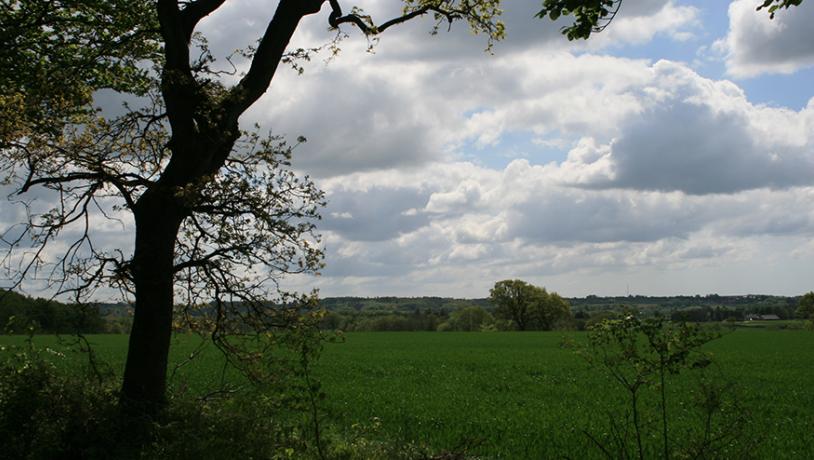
218,216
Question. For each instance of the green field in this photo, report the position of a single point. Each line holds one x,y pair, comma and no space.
522,395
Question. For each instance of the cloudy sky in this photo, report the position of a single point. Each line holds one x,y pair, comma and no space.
671,154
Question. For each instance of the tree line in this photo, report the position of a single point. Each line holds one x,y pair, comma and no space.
21,314
511,300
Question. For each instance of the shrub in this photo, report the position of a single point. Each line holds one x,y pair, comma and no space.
49,412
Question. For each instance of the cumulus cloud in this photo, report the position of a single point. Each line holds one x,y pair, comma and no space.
629,123
390,114
380,214
421,96
757,45
698,136
691,148
669,169
521,222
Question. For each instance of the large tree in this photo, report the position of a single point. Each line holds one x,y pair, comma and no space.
528,306
218,215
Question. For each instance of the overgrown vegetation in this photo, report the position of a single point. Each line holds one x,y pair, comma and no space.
60,401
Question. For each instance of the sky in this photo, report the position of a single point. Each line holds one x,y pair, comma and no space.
671,154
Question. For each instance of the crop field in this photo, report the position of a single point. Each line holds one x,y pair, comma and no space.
524,395
521,395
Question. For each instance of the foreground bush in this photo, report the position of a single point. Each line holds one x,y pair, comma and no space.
50,412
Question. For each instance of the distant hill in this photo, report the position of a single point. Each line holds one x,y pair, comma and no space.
427,313
752,302
392,313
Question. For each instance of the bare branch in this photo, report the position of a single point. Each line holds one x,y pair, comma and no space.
336,18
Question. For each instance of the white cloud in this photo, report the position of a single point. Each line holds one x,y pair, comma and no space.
639,21
698,136
757,45
422,96
523,223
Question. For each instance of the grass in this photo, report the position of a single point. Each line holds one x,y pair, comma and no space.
522,395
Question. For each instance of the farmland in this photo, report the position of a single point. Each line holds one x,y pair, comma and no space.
524,395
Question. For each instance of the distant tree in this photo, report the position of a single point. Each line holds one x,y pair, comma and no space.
331,320
528,306
513,300
467,319
805,308
692,314
20,314
550,310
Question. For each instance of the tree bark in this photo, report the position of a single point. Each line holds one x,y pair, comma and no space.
158,216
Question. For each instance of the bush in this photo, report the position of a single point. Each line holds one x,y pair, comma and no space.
47,412
245,426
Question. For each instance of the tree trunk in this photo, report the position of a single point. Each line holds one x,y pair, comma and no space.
158,216
203,134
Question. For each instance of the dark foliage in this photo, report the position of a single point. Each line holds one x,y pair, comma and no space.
19,313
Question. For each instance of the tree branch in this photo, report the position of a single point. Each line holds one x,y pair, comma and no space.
337,18
177,82
267,58
195,11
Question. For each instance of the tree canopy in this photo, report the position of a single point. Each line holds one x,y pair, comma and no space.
589,15
528,306
55,54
